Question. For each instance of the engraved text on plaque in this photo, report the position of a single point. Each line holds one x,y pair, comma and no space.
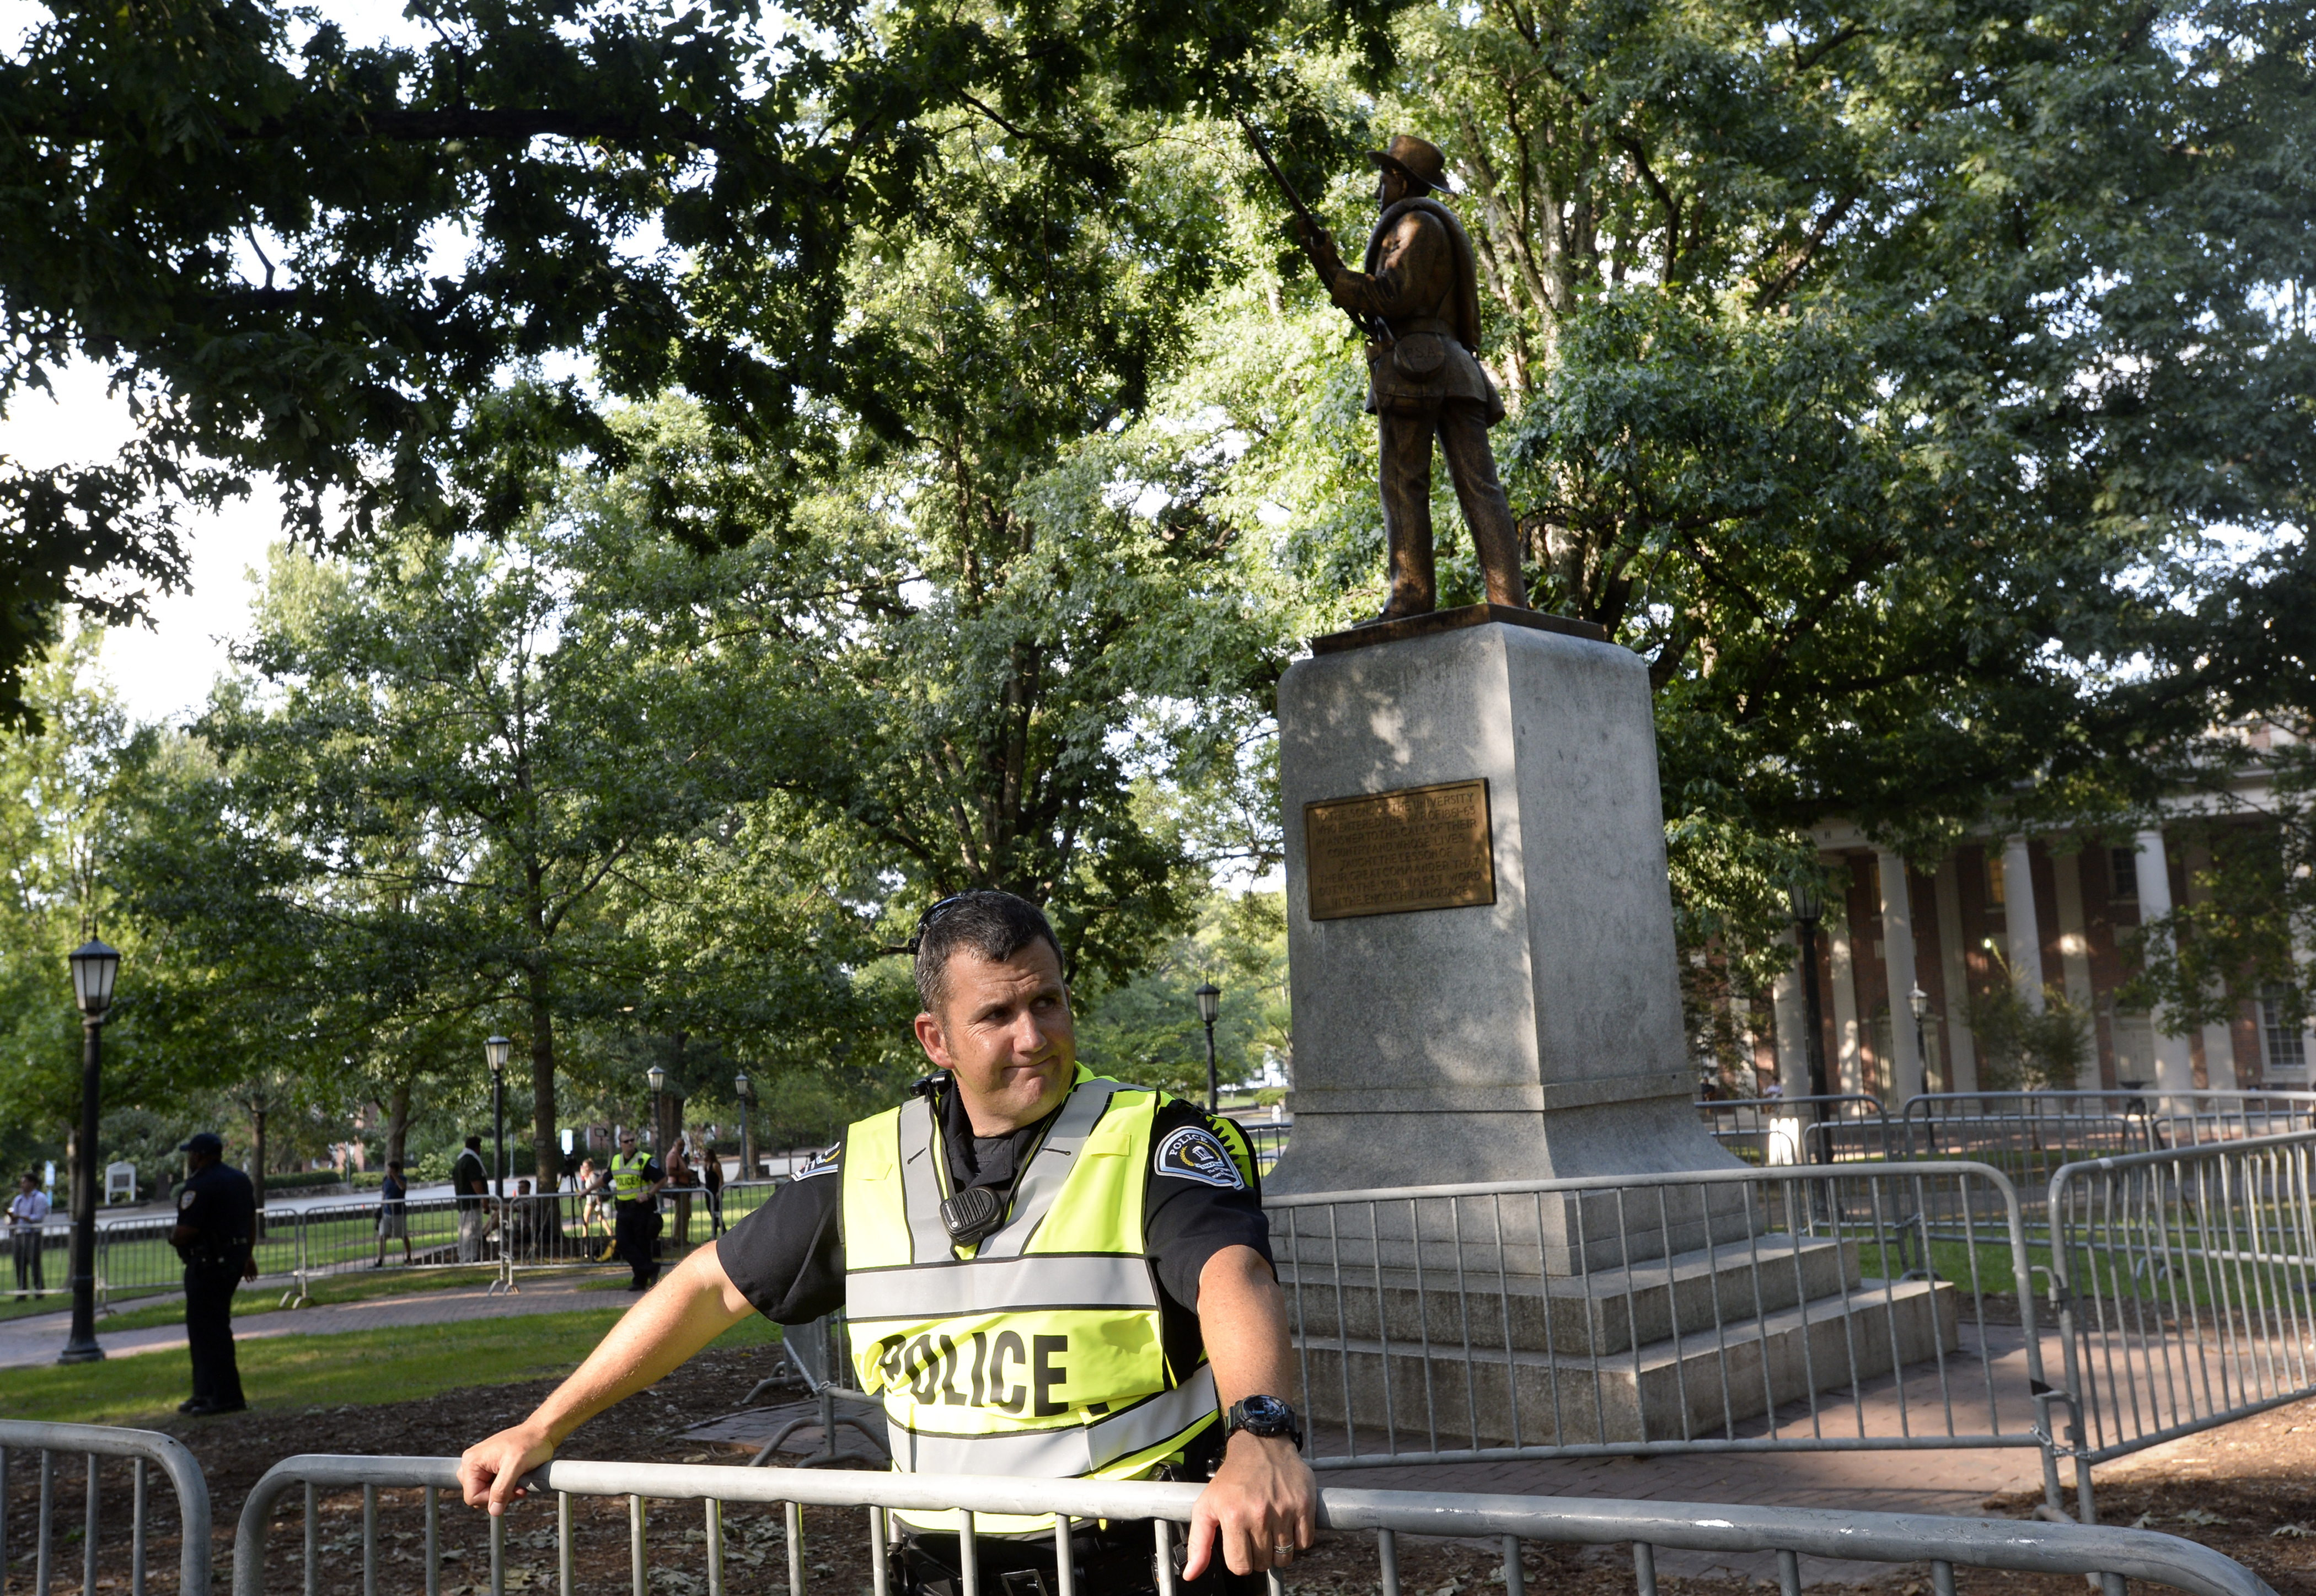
1391,853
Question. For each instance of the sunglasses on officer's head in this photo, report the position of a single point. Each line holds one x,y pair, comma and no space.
925,920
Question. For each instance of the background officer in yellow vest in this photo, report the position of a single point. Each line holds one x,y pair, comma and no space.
1045,1272
635,1180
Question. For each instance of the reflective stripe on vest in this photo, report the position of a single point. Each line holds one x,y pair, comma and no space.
1040,1353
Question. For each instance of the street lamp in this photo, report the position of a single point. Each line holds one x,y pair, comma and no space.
746,1094
94,966
1210,1008
1802,899
1920,1002
495,1049
658,1080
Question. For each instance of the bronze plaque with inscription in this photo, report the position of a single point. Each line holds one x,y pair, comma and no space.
1394,853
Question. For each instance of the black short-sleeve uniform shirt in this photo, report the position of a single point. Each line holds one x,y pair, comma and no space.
219,1202
787,1256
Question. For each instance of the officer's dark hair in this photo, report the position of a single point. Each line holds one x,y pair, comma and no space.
995,925
394,1162
475,1143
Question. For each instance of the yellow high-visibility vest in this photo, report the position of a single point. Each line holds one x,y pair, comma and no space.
627,1176
1038,1353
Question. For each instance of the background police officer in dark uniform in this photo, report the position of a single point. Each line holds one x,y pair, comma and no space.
216,1219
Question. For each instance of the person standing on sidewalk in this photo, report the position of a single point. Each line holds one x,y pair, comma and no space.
217,1216
711,1176
393,1213
26,1214
470,1183
636,1180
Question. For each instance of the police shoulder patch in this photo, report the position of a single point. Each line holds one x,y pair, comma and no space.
184,1200
1194,1152
826,1161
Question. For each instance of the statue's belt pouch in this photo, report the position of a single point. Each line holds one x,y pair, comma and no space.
1419,356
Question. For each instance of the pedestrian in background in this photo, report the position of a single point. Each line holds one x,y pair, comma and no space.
470,1183
217,1217
711,1176
27,1212
393,1212
683,1180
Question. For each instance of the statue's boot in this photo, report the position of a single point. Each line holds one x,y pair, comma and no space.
1415,590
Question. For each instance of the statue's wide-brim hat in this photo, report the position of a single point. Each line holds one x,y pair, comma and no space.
1414,157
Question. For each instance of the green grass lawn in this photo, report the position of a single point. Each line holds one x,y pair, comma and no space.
364,1366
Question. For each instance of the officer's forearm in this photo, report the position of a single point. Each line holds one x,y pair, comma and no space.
697,1303
1242,1316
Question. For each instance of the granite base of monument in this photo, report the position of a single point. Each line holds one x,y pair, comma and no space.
1484,985
1505,1012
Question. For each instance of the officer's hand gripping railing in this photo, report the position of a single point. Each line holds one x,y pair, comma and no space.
146,1449
2112,1554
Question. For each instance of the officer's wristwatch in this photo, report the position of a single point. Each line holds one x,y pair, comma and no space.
1266,1416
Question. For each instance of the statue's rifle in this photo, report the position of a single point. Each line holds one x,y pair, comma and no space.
1376,329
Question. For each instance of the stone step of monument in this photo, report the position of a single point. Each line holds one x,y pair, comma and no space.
1604,1312
1699,1384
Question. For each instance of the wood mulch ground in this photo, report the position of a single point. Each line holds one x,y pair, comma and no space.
2248,1490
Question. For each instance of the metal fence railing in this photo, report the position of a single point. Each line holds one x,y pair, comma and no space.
92,1445
560,1229
2186,1286
1501,1523
1824,1308
2030,1135
1836,1127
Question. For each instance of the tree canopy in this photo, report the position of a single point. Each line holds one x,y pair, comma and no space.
753,476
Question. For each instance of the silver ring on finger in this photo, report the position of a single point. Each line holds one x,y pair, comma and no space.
1283,1552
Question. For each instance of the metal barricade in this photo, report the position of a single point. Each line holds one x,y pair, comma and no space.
1502,1523
550,1230
2029,1135
145,1449
1835,1128
2184,1282
1808,1308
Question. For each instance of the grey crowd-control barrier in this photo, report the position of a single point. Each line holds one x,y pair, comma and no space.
144,1452
2113,1556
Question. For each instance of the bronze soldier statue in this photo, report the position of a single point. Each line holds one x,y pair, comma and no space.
1420,300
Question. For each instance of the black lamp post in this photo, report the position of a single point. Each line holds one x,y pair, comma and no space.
1801,898
1920,1002
495,1049
94,966
746,1094
1210,1008
658,1080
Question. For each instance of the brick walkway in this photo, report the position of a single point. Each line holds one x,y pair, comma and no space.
27,1341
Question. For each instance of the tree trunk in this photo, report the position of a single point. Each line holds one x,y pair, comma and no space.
546,1152
257,1167
398,1120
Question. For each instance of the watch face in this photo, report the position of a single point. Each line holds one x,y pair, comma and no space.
1267,1413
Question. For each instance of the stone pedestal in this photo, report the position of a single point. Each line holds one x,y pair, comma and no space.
1485,989
1534,1037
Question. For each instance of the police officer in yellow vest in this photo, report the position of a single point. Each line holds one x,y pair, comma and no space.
635,1181
1046,1273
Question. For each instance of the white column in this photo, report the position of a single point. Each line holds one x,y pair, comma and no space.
1848,1064
1961,1047
2221,1070
2075,955
1792,1026
1898,960
2175,1064
2023,938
